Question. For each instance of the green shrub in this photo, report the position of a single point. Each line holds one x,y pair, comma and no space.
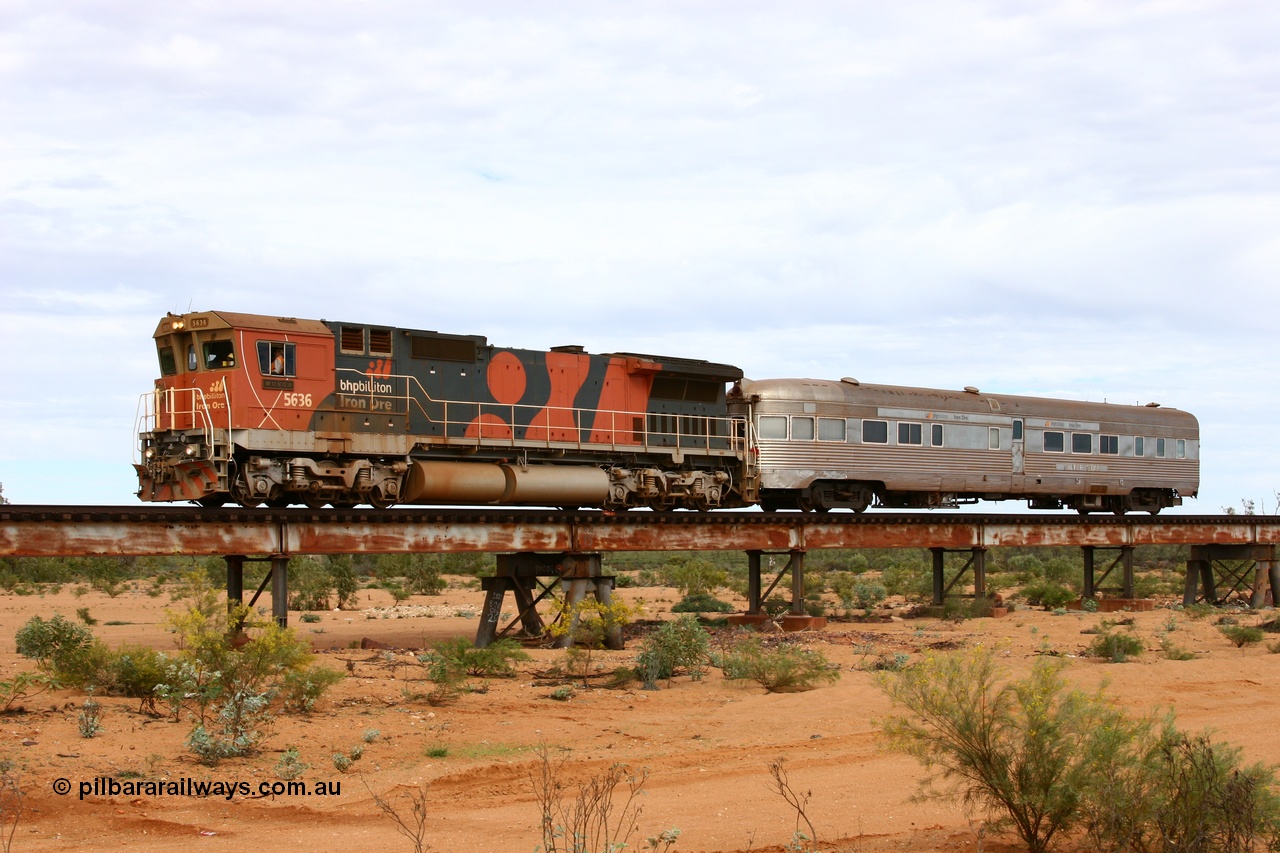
135,671
784,669
1020,751
1116,647
867,595
680,644
450,661
1242,635
1167,791
1048,594
52,643
693,575
300,689
236,730
702,602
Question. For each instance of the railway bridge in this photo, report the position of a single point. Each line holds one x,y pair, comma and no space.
1226,555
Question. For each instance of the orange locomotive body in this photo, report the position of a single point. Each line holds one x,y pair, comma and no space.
282,410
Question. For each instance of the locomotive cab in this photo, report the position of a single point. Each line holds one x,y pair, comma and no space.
224,377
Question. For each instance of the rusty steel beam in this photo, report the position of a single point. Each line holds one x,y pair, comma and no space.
160,531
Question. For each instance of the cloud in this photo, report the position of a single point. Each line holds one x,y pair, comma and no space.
1075,199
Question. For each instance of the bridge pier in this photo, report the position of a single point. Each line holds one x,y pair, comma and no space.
796,618
578,575
1093,585
1256,569
277,576
977,562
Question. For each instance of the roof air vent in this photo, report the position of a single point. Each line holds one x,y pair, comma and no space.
969,389
849,380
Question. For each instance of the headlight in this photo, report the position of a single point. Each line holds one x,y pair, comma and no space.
193,449
151,452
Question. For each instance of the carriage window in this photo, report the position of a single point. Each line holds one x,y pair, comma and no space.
277,358
1081,442
1182,448
802,429
1139,447
1054,442
1017,430
875,432
935,435
219,355
1109,444
831,429
910,434
993,438
1160,447
773,426
168,366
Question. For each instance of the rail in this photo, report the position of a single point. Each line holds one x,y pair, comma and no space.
469,422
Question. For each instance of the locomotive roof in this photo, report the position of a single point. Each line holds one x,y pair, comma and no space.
232,320
899,396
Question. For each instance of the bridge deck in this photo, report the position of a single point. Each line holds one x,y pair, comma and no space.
58,531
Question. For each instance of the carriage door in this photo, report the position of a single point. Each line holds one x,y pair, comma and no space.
1017,446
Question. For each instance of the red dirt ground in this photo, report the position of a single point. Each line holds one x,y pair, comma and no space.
706,745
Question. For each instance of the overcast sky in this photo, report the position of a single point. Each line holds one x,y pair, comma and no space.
1072,199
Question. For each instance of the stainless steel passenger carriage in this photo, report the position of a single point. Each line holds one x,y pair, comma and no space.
824,444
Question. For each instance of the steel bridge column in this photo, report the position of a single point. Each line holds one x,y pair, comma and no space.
1274,576
939,581
280,590
235,581
1126,554
495,590
979,573
797,583
1089,583
1265,571
754,605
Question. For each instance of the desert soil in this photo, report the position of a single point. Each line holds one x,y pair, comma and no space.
705,744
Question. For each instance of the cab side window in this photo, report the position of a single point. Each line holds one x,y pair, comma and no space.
219,355
277,358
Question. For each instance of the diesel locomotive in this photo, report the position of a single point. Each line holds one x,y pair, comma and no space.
281,410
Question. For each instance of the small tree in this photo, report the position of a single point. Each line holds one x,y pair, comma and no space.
1022,752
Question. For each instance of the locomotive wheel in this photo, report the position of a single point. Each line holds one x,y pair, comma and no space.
279,503
343,504
315,501
379,501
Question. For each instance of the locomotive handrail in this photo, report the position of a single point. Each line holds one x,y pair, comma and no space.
718,430
149,412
